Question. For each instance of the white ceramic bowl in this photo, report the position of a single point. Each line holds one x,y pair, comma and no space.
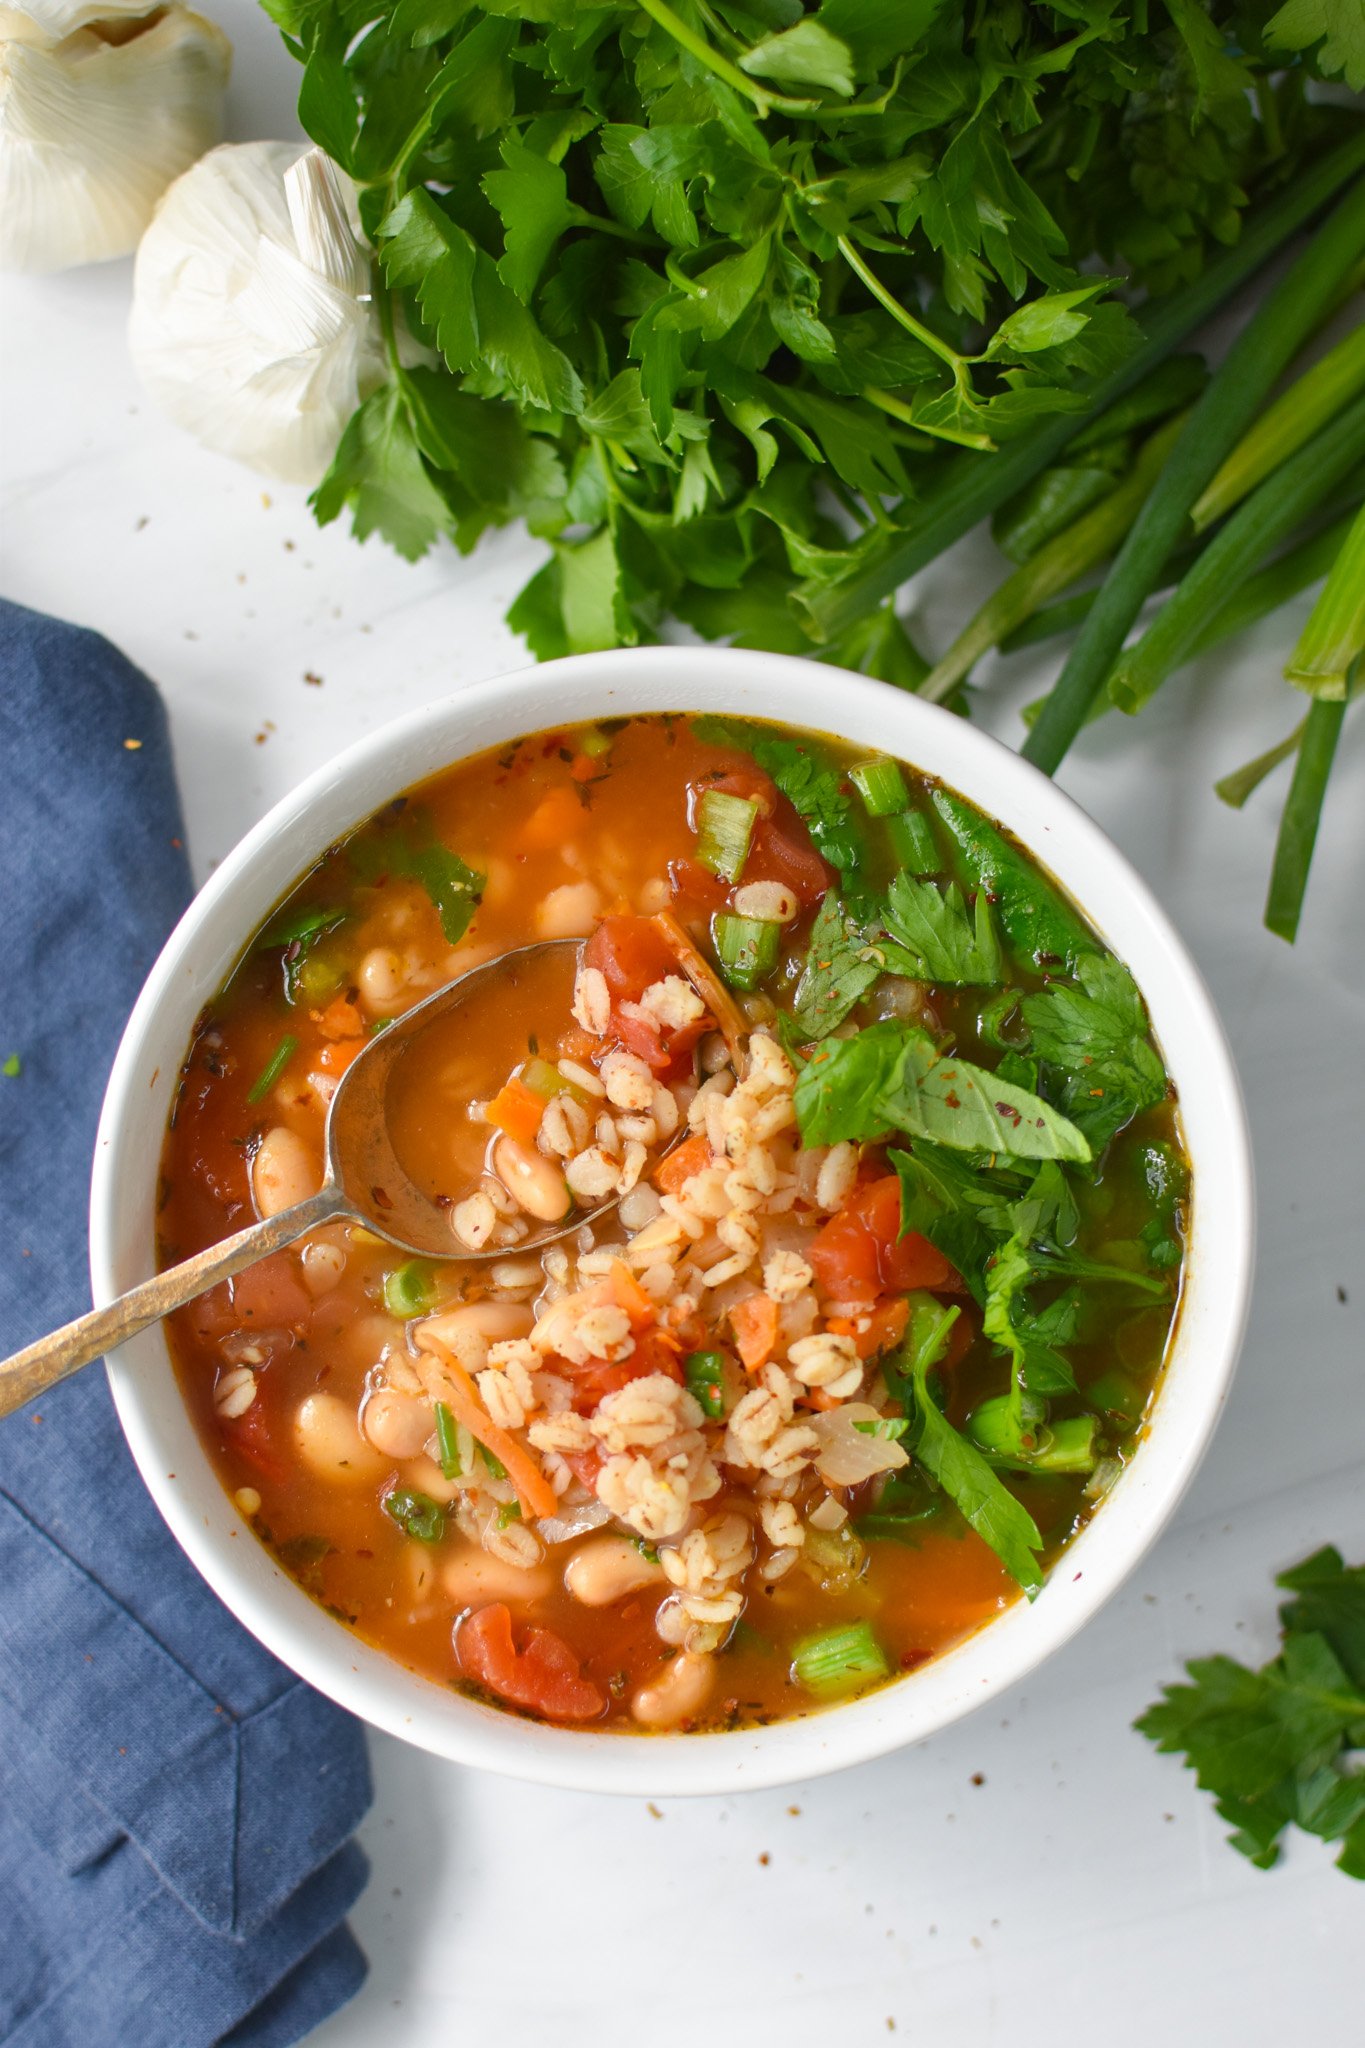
208,940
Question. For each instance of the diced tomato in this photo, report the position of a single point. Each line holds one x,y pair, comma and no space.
631,952
543,1675
270,1292
754,1322
592,1382
859,1253
695,891
746,779
878,1329
785,854
252,1436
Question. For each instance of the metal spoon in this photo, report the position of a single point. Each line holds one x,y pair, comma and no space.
364,1182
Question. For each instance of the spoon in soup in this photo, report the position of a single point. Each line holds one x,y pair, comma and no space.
364,1181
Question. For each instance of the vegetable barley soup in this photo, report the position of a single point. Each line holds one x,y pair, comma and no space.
875,1325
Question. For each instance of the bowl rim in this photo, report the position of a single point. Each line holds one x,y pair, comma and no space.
784,689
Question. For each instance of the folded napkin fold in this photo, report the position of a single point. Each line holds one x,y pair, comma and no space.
175,1807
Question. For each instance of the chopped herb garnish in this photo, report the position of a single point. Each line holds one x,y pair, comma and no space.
411,849
889,1427
411,1289
509,1512
704,1373
494,1465
12,1068
273,1068
448,1443
416,1514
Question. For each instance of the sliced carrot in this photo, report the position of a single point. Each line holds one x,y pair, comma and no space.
754,1322
341,1019
555,818
517,1110
692,1156
534,1490
876,1329
625,1291
582,768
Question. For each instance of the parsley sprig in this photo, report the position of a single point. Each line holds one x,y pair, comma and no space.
1279,1747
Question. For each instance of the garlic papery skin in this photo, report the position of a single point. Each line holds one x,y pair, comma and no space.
252,324
94,126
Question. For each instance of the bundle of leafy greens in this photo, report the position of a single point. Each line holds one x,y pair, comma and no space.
1278,1748
694,276
749,308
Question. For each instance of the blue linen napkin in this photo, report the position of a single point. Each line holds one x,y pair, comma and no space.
175,1807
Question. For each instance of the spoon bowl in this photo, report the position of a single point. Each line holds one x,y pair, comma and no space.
365,1182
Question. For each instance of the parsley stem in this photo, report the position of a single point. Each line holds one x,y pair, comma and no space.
829,606
897,311
698,47
899,410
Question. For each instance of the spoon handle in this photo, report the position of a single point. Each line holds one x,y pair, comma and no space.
41,1365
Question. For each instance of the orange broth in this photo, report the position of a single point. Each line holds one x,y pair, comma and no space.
568,829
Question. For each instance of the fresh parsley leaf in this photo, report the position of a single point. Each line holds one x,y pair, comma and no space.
411,849
1339,25
1274,1746
378,472
944,942
893,1077
531,195
1100,1064
837,973
951,1460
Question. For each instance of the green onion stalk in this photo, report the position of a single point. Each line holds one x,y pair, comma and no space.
1064,559
1258,526
1335,632
1311,401
1236,393
1303,812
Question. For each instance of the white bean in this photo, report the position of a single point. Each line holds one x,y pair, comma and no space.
327,1438
284,1170
568,912
472,1575
396,1424
323,1265
496,1320
537,1186
608,1568
677,1693
381,978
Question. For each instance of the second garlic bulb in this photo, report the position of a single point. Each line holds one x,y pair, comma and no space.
252,323
101,106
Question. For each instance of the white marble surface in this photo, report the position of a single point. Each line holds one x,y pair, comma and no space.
1038,1871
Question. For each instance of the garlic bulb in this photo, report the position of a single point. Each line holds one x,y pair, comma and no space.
100,107
252,323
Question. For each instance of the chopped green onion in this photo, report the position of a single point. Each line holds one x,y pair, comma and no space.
840,1660
543,1079
509,1512
13,1067
448,1443
913,843
881,786
1006,1428
1068,1447
746,947
273,1068
312,979
725,825
380,1024
495,1465
889,1427
293,927
594,743
416,1514
410,1290
704,1372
